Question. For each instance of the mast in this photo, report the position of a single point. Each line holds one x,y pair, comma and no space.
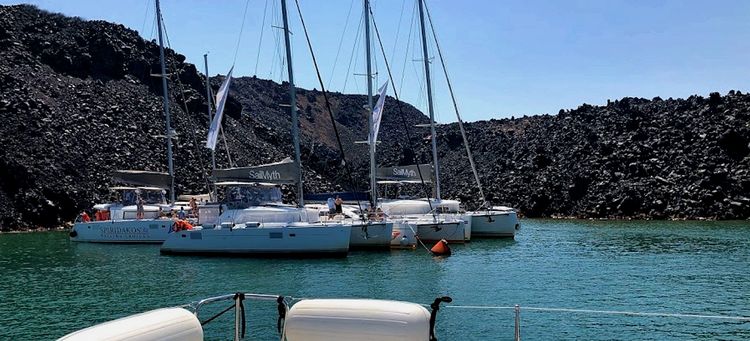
210,118
429,101
293,105
166,104
373,180
208,99
458,115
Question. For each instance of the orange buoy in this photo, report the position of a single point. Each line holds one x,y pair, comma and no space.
441,248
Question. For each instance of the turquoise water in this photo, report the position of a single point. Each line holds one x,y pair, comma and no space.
50,286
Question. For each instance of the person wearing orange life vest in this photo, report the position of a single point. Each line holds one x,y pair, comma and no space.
85,217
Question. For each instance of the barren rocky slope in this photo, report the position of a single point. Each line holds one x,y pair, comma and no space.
77,101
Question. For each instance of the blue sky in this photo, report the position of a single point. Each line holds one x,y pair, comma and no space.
505,58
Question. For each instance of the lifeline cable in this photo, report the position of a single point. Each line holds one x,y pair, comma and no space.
609,312
330,112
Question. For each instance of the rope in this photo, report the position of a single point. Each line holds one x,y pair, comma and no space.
328,107
608,312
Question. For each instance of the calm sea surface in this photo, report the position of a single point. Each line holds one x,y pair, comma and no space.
50,286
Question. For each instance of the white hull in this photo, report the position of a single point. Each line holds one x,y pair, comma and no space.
371,236
493,223
295,239
404,236
429,230
153,231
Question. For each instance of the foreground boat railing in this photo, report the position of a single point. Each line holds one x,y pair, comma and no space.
517,314
239,309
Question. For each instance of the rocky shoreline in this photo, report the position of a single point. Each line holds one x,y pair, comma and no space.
77,101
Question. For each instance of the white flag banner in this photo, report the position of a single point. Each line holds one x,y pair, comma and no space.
377,113
221,100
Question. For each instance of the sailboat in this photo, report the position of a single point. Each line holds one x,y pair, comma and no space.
431,219
252,220
140,216
488,220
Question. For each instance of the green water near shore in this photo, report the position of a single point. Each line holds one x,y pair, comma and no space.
50,286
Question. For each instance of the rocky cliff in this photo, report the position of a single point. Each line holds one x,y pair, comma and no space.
78,100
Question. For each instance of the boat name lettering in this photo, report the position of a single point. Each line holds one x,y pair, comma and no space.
405,172
264,175
124,230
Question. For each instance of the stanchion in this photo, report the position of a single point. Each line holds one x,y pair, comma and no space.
517,335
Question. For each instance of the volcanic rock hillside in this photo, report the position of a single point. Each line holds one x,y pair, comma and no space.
678,159
77,101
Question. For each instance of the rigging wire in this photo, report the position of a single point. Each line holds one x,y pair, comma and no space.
260,41
145,16
400,106
341,42
455,107
398,29
354,48
408,46
239,37
330,112
176,79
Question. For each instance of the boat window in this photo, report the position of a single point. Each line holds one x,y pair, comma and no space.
243,197
130,196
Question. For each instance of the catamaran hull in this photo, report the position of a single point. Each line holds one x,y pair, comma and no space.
371,236
262,242
493,224
429,231
147,231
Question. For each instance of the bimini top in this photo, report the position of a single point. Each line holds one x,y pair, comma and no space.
142,178
283,172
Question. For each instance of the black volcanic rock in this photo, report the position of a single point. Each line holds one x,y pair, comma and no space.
77,101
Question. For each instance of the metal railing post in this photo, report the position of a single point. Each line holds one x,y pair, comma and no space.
237,319
517,334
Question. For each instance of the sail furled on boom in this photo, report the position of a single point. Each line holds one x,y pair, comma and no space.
282,172
377,113
221,100
407,173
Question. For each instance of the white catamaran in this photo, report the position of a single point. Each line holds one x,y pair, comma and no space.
123,221
140,215
251,220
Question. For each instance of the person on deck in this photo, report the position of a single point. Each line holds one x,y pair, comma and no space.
181,214
85,217
338,203
331,207
139,208
193,207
